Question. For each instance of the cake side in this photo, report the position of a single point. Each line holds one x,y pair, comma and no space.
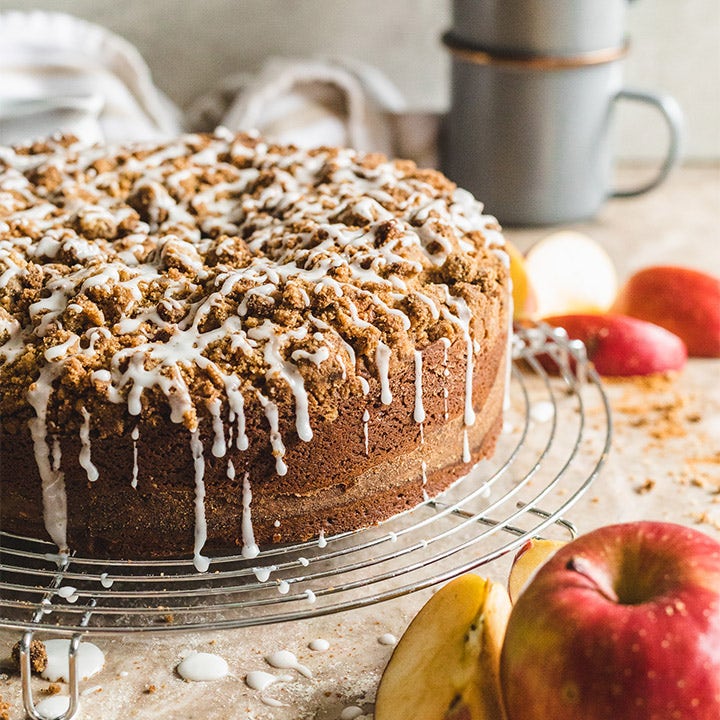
245,295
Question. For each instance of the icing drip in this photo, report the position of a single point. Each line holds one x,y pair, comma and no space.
135,434
85,459
366,433
285,660
322,542
446,373
462,320
382,359
53,480
423,467
202,667
289,372
419,413
249,547
219,447
278,448
201,562
262,574
466,447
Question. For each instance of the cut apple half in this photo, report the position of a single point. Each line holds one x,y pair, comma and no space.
570,273
531,556
446,665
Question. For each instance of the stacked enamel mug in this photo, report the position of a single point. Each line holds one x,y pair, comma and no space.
534,84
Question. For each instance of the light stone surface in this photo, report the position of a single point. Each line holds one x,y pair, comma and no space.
650,474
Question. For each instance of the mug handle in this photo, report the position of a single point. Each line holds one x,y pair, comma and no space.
671,111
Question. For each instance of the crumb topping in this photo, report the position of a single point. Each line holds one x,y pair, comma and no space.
221,267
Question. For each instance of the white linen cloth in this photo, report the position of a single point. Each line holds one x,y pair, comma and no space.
61,73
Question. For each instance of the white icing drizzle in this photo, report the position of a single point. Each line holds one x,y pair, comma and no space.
260,680
53,707
289,372
382,359
387,639
322,542
285,660
219,447
85,454
366,433
53,480
89,660
262,574
278,448
249,546
203,667
311,598
419,413
283,587
423,468
105,581
446,372
462,320
319,645
466,447
134,435
201,562
351,712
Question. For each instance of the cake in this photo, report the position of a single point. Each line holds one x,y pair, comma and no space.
217,343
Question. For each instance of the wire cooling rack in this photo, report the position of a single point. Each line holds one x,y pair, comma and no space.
555,439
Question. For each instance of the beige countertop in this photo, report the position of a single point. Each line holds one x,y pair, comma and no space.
664,464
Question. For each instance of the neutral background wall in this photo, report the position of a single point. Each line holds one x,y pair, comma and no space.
191,44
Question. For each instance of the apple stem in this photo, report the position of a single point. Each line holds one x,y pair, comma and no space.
590,571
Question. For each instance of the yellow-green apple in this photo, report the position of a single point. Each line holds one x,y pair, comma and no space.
621,624
682,300
447,663
570,273
623,346
522,292
531,556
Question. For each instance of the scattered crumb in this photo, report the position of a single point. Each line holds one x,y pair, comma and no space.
705,518
646,487
38,655
4,709
149,689
51,689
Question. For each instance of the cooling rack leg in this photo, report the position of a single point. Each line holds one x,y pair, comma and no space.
26,673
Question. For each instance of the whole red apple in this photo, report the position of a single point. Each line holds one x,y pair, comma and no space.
684,301
621,624
623,346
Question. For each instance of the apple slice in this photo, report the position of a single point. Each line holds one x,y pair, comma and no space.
522,293
531,556
570,273
684,301
623,346
446,665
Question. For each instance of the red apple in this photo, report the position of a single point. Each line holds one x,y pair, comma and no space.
682,300
621,624
624,346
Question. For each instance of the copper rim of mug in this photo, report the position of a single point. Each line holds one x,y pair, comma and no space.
480,56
